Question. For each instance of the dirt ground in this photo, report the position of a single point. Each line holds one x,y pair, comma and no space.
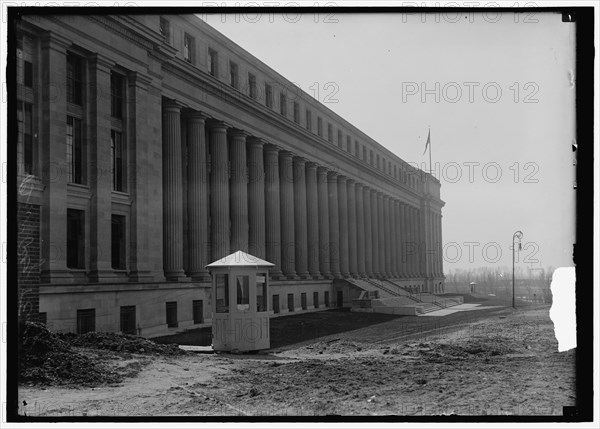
496,361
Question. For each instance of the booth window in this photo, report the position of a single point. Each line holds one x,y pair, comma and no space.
222,281
275,304
261,293
243,292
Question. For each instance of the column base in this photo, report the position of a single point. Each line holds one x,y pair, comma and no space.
291,277
316,276
304,276
200,276
327,276
177,276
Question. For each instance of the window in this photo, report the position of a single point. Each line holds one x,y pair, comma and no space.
395,171
172,321
128,320
222,283
316,299
251,85
364,154
276,304
389,168
296,112
213,62
326,298
383,165
371,157
261,293
349,144
378,163
233,75
118,241
116,95
308,120
188,48
24,60
242,292
86,321
117,153
290,302
75,239
164,28
74,79
74,150
25,130
356,148
320,127
303,300
198,311
269,95
330,133
282,104
340,139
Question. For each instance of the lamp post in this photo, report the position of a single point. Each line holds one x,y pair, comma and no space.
518,235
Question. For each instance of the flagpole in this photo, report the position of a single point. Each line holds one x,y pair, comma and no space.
429,134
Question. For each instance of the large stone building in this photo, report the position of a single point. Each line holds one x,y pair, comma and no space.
150,146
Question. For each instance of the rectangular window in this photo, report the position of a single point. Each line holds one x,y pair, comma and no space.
276,304
128,320
378,163
356,148
282,104
296,112
233,75
269,95
290,302
25,129
308,120
242,284
316,299
303,300
28,74
371,157
74,79
251,85
261,293
395,172
198,311
213,62
116,95
330,133
74,150
118,241
75,239
222,284
340,139
117,153
188,48
364,154
320,127
164,28
171,308
24,60
86,321
326,298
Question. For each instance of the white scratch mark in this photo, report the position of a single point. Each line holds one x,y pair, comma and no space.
562,311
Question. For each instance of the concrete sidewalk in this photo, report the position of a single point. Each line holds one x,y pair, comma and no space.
456,309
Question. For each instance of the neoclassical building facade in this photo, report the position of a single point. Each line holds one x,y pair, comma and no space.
150,146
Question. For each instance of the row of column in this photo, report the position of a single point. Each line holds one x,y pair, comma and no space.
309,221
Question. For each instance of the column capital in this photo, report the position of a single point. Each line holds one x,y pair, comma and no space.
271,148
332,174
236,132
219,125
360,185
312,165
172,105
342,178
299,160
256,142
286,154
386,197
196,116
351,182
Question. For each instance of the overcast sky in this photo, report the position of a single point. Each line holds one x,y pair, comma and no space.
501,127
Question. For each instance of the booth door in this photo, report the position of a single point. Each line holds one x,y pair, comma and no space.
249,326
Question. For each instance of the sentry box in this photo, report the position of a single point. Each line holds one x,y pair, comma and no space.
240,291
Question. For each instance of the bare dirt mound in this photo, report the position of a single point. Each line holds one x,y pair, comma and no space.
47,358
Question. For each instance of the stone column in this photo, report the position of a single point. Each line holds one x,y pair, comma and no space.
238,191
352,229
197,198
375,233
300,217
272,211
343,224
101,186
312,213
323,223
381,230
334,225
417,231
440,247
256,198
405,241
286,196
173,190
387,235
368,231
360,230
219,191
394,235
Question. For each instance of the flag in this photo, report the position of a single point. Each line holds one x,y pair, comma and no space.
428,141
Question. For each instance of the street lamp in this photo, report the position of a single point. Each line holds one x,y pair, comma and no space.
518,235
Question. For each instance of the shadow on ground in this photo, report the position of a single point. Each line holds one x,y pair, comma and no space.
293,329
